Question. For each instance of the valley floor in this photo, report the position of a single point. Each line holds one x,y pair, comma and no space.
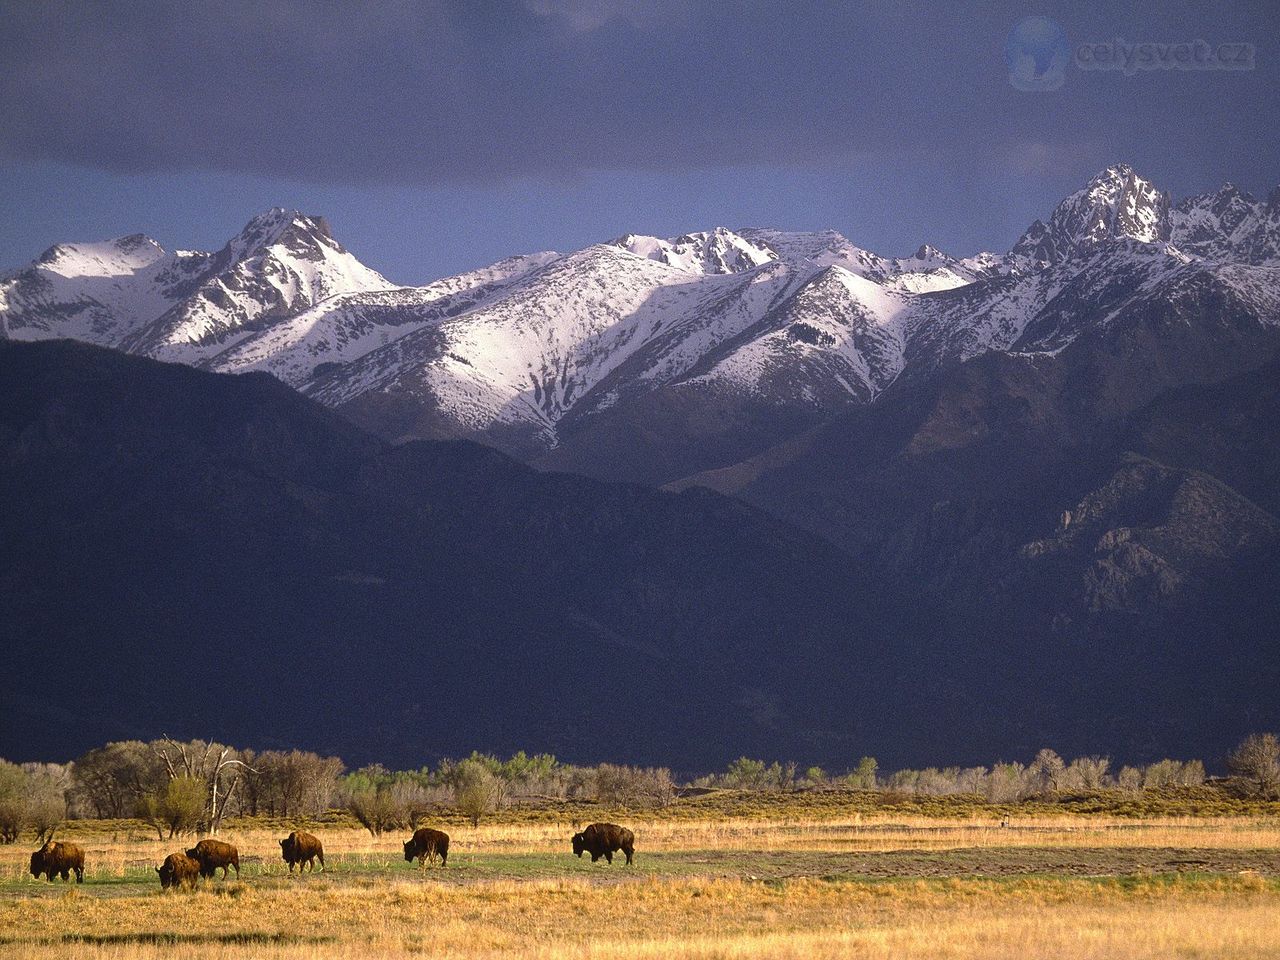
1066,887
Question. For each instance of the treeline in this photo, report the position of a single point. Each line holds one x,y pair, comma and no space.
182,787
1047,774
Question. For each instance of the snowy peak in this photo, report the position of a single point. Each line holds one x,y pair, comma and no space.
302,235
1115,204
119,257
1229,224
130,294
280,264
715,251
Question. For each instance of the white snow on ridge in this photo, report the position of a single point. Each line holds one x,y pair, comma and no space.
345,327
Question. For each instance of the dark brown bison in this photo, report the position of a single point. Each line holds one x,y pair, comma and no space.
178,870
213,854
302,849
602,839
59,858
427,844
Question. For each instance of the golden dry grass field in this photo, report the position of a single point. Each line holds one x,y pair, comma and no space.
875,886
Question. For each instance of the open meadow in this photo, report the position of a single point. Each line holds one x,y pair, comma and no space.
777,881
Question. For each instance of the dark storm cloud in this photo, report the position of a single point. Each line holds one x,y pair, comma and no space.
429,93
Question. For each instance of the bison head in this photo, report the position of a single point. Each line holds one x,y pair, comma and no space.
579,843
37,863
409,850
193,853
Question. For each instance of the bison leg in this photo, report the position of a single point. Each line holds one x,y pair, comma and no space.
66,875
629,851
79,874
608,857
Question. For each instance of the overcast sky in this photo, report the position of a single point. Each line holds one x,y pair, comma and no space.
439,136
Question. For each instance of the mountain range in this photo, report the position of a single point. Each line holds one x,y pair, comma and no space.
926,507
711,346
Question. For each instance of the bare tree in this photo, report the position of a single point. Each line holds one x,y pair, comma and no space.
215,764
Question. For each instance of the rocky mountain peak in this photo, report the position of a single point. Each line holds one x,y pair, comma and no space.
1114,204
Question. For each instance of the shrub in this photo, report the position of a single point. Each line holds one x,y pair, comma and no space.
178,807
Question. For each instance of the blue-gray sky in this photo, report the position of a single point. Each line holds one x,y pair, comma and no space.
441,135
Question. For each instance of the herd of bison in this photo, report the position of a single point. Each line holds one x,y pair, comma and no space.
303,850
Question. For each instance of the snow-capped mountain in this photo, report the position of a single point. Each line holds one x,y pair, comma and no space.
182,306
1117,203
707,333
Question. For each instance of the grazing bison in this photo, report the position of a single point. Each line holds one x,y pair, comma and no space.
302,849
59,858
602,839
178,870
427,844
213,854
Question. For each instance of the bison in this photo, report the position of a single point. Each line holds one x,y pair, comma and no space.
426,844
602,839
178,870
59,858
213,854
302,849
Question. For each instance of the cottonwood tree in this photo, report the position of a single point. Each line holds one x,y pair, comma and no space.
293,784
1129,778
111,781
1007,783
1171,773
381,800
1045,774
13,801
1086,773
864,775
478,791
1257,759
623,786
46,794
